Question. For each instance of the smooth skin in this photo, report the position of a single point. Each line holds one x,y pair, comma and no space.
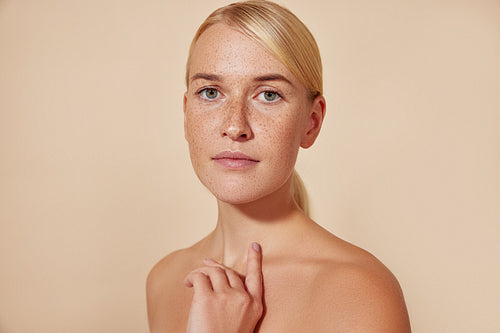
238,301
302,278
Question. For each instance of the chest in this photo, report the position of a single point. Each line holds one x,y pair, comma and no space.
288,304
287,300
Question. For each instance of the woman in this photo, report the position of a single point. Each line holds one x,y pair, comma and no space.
254,97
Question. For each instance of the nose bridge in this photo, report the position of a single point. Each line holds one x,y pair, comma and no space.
236,124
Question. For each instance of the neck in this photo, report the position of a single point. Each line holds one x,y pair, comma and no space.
272,221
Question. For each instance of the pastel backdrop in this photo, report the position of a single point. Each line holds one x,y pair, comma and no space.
96,184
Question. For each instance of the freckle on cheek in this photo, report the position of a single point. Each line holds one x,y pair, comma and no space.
223,51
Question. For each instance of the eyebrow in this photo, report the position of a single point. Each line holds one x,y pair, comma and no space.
273,77
262,78
205,76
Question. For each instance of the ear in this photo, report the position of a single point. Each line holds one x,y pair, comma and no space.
184,101
315,120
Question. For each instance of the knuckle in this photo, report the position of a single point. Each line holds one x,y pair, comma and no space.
244,298
218,269
258,308
230,272
222,298
196,272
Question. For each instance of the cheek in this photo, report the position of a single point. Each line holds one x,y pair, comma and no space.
282,136
277,141
198,125
198,136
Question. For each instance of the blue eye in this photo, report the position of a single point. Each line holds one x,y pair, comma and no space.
269,96
209,93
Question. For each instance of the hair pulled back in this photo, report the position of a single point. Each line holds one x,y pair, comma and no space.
284,35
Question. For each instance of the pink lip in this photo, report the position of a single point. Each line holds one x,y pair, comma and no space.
234,160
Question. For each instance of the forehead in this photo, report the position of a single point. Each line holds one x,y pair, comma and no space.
225,51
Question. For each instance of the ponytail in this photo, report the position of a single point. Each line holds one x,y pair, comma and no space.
299,193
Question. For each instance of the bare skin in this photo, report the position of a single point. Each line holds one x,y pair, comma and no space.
317,283
312,280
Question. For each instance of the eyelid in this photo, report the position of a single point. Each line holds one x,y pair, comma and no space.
200,91
274,91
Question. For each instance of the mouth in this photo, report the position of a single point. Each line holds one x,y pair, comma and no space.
234,160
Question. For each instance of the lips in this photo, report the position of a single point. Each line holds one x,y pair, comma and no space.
233,155
234,160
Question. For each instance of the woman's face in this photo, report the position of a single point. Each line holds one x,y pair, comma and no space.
246,115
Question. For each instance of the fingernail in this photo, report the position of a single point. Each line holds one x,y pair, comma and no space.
256,246
208,259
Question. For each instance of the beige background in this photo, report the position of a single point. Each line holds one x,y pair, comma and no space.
96,184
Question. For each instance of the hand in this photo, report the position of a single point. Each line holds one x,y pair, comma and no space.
222,301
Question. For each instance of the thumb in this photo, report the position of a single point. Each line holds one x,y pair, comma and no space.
253,280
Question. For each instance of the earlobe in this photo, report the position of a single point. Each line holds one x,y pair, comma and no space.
316,116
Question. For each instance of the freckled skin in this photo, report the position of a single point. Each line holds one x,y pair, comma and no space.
312,280
240,119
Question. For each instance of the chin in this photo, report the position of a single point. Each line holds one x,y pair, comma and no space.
239,196
244,187
238,193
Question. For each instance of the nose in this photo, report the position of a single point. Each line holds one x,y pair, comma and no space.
235,124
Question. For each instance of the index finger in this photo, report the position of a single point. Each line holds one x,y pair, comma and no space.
253,280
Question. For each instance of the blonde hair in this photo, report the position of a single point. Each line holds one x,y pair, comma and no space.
284,35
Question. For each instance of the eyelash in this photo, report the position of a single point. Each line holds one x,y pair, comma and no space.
202,90
279,97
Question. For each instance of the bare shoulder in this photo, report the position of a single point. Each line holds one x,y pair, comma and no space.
166,294
161,272
362,294
173,268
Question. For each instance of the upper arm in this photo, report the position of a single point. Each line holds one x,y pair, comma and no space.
381,306
364,299
154,291
163,284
